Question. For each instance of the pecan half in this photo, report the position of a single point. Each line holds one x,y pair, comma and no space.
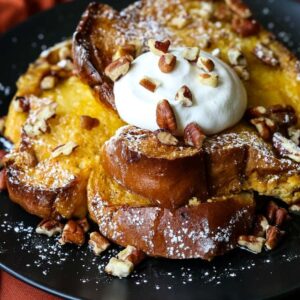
266,55
149,83
205,64
210,79
167,138
271,210
88,123
118,68
184,96
167,63
286,147
239,7
251,243
165,117
281,216
72,234
273,237
49,227
159,47
98,243
245,27
193,135
264,126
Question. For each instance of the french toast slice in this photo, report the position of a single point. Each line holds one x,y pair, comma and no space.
42,184
168,175
103,32
202,230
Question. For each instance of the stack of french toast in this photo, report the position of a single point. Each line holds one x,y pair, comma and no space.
149,191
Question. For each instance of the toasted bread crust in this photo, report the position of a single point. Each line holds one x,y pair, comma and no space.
167,175
202,231
90,61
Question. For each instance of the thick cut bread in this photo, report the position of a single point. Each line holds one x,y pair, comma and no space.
169,175
102,30
56,185
202,230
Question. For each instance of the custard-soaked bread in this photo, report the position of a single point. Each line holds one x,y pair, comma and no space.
202,230
46,180
169,175
274,72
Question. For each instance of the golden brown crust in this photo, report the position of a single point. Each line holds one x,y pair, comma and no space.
204,230
66,201
167,175
88,58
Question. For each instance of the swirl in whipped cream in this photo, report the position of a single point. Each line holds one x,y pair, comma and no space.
214,108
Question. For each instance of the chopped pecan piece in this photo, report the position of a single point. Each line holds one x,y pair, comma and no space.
167,63
210,79
286,147
181,21
21,104
184,96
149,83
204,41
294,135
72,234
165,117
236,57
190,53
256,112
273,237
245,27
264,126
205,63
167,138
118,68
261,225
159,47
48,82
271,210
281,216
266,55
131,254
49,227
41,110
124,50
98,243
88,123
242,72
193,135
119,268
65,149
252,243
284,115
239,7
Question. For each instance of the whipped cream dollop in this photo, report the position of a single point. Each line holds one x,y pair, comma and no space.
214,108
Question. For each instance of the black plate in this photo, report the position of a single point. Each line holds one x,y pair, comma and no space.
75,273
